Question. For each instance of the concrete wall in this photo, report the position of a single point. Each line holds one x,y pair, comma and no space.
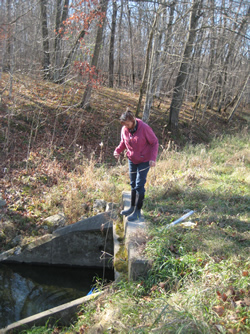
62,315
79,244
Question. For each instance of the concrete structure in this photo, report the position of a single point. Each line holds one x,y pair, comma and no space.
84,243
135,237
79,244
62,315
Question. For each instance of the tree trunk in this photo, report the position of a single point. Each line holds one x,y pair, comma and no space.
182,76
146,67
85,103
111,46
239,98
66,65
153,70
45,36
166,46
8,34
230,55
131,49
119,46
61,15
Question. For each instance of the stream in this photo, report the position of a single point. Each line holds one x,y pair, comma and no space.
26,290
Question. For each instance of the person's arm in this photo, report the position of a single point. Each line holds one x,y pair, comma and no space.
120,148
153,142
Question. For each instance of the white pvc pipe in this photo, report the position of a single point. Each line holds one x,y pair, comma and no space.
180,219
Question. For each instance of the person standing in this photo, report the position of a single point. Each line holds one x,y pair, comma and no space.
142,145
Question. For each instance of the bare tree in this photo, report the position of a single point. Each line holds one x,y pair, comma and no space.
132,65
85,103
147,64
168,35
237,33
45,36
238,97
179,54
62,8
119,45
111,45
183,73
153,71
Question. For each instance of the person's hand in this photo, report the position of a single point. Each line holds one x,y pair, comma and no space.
116,155
151,163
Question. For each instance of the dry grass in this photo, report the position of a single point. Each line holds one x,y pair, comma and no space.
69,172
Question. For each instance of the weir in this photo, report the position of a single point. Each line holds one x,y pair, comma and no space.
99,241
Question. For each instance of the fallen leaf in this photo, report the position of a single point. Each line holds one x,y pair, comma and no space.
162,285
219,310
245,273
139,285
218,293
232,331
220,328
172,248
147,298
233,318
230,291
243,319
83,329
240,303
247,301
222,296
233,303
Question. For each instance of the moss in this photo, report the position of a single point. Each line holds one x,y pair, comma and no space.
121,266
121,260
119,229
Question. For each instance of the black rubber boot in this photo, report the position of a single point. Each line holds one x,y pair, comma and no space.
132,205
137,211
134,216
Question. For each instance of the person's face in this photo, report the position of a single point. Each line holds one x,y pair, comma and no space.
128,124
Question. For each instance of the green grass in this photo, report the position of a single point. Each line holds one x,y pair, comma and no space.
199,277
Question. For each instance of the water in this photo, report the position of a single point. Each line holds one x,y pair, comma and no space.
26,290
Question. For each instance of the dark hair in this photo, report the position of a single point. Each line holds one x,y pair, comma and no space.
127,116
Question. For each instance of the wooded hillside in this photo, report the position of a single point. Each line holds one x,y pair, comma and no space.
176,64
186,51
68,69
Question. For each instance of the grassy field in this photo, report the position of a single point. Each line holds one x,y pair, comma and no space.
199,277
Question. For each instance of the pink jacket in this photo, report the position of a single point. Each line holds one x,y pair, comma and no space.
142,146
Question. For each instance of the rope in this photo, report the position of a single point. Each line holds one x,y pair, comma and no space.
104,252
141,170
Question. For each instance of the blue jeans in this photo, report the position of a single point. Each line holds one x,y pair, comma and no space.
138,175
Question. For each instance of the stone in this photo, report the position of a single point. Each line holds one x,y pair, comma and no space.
111,206
85,207
8,228
17,240
18,250
58,220
99,205
2,236
2,202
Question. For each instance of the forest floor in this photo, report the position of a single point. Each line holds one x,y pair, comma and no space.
57,157
44,136
43,116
